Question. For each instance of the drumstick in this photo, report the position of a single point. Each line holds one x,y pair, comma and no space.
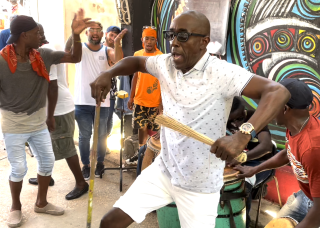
93,161
189,132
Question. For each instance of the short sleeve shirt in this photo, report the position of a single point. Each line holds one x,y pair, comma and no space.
23,94
303,152
202,99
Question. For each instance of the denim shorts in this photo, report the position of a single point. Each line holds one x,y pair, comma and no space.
297,207
40,144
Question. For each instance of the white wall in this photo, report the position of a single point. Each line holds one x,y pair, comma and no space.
51,16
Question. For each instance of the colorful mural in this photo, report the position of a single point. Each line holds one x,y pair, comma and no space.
275,39
217,11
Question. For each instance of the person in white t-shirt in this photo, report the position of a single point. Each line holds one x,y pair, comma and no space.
96,58
61,124
196,89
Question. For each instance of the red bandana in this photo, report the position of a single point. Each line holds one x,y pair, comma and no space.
9,54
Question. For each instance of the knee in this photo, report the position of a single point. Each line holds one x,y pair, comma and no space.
18,171
106,221
115,218
46,165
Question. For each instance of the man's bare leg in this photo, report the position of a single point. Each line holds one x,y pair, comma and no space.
147,159
143,135
73,163
116,218
43,184
15,188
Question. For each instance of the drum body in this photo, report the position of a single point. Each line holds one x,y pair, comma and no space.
168,216
282,222
232,206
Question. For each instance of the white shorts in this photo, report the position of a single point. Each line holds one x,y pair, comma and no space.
153,190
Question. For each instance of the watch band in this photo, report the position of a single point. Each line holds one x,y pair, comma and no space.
253,134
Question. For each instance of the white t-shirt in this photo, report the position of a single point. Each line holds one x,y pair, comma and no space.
202,99
65,100
91,65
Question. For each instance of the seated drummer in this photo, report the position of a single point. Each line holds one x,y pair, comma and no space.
258,149
303,153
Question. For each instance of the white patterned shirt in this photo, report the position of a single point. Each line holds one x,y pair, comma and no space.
202,99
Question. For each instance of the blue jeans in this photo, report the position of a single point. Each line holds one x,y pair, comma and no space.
297,207
40,143
260,177
142,150
85,118
124,85
110,117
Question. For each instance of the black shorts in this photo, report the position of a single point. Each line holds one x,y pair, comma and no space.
144,116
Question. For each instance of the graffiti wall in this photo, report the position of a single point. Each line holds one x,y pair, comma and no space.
276,39
217,11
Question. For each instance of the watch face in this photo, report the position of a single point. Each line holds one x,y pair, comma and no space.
247,127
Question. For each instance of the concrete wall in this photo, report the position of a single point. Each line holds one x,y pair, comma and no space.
100,10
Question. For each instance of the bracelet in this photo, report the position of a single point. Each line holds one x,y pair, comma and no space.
242,157
79,41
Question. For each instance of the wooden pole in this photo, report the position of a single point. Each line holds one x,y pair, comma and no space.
93,161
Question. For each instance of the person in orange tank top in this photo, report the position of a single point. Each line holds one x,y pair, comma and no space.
145,100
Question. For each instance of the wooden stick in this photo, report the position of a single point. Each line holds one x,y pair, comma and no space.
189,132
93,161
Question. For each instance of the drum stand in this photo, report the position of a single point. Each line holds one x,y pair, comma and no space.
122,95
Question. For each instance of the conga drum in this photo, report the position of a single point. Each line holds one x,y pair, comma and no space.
282,222
232,206
168,216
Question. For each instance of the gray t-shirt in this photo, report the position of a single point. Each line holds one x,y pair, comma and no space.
202,99
23,94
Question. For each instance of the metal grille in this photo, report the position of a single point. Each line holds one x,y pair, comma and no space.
123,11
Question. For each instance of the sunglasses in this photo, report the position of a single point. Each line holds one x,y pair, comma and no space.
146,26
95,30
181,36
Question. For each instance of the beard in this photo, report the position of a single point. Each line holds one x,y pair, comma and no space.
94,42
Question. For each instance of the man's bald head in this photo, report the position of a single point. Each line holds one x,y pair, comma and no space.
190,33
200,21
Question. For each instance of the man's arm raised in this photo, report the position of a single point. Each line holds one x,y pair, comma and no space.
79,23
128,66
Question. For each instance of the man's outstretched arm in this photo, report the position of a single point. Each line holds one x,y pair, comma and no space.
277,161
79,23
127,66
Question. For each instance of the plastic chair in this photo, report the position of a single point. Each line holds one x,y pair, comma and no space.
262,184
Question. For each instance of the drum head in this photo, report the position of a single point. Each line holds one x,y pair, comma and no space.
282,222
229,174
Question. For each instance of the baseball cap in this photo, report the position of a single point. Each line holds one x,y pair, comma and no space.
301,95
114,29
18,25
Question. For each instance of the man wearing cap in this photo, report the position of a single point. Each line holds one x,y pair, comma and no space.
24,83
303,153
111,33
145,93
61,124
95,59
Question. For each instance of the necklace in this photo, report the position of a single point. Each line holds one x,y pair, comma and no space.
304,124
